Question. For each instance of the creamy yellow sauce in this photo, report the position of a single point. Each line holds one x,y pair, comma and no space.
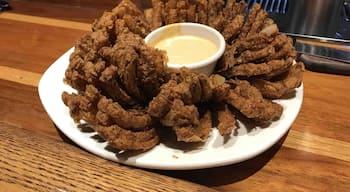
185,49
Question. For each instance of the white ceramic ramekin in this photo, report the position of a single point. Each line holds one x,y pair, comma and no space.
205,66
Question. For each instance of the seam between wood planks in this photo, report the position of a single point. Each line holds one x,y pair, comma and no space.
19,76
46,21
319,145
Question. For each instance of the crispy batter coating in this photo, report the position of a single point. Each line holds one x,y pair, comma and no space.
229,19
201,11
225,63
258,50
175,105
284,47
154,15
126,7
250,21
187,86
83,106
170,12
151,71
253,56
258,25
250,102
84,64
160,105
215,7
254,42
226,119
126,92
233,9
128,119
137,24
180,115
199,133
253,69
281,87
105,22
232,29
110,86
123,139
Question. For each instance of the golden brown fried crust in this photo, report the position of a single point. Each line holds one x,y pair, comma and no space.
170,12
175,105
284,47
254,42
250,21
253,56
233,9
232,29
206,88
160,105
110,86
226,119
105,22
154,14
188,124
151,71
258,25
250,102
84,65
188,90
83,106
253,69
137,24
124,88
258,50
189,87
199,133
126,7
181,115
128,119
226,63
215,7
124,59
123,139
277,89
201,10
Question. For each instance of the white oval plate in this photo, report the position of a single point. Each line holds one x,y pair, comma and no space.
215,152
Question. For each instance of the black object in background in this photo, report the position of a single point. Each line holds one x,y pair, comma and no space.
325,65
4,5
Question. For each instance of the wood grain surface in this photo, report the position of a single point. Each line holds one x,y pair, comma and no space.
313,156
36,163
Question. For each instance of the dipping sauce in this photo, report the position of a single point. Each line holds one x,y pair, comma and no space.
186,49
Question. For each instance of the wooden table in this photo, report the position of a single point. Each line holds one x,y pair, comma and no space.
314,156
